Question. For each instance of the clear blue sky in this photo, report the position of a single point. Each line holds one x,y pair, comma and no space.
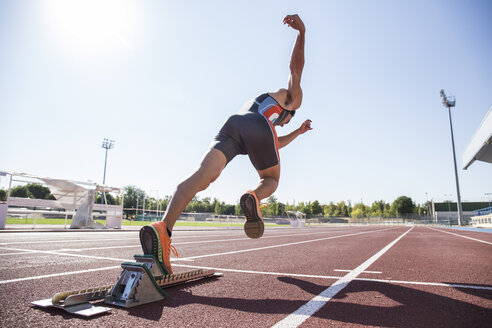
160,77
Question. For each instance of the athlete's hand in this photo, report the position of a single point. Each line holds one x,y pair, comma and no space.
295,22
306,126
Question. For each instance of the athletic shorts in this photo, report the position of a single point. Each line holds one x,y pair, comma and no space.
252,134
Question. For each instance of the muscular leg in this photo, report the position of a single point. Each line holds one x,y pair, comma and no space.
268,182
209,170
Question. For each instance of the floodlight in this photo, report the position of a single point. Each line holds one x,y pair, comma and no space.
449,101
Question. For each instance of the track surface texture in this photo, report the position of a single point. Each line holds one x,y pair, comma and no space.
383,276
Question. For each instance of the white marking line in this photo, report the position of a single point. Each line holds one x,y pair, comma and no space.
423,283
64,240
452,233
282,245
182,259
340,270
57,274
259,272
402,282
307,310
175,244
191,258
66,254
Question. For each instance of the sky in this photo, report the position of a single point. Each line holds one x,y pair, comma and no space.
161,77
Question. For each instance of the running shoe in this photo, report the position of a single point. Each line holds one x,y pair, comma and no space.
254,226
156,241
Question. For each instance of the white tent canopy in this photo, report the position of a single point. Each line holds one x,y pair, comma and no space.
74,197
480,146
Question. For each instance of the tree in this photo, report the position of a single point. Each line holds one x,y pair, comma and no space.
329,210
20,191
3,195
229,209
110,198
238,210
39,191
316,208
377,208
359,211
403,205
342,209
132,194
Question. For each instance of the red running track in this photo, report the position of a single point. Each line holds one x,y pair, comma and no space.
388,276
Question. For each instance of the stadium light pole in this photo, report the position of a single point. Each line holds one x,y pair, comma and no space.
107,144
448,102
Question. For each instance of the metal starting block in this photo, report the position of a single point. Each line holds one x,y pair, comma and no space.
140,282
77,302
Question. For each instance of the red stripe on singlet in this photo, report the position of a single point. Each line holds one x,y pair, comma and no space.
275,139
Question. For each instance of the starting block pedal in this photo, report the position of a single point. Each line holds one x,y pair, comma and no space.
78,302
140,282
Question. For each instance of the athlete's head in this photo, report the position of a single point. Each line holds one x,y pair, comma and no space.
291,114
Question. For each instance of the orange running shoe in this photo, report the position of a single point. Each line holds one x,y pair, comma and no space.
254,226
156,241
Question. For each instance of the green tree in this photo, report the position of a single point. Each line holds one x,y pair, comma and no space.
20,191
389,211
229,209
403,205
316,208
329,210
377,208
3,195
132,194
39,191
110,198
238,210
359,210
342,209
219,207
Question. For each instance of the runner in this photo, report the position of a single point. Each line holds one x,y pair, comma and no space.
251,132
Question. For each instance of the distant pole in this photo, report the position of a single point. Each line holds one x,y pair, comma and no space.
450,101
107,144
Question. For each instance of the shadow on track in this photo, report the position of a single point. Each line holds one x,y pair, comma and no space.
392,305
376,304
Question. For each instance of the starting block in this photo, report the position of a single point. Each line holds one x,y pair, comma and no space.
140,282
78,302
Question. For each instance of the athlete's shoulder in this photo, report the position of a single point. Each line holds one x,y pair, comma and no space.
283,97
280,96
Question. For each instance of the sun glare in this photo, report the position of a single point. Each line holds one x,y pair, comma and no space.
90,24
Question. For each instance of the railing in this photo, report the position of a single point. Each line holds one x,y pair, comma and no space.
483,211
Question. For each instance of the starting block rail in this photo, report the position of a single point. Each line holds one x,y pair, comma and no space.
140,282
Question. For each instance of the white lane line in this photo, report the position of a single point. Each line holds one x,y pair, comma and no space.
401,282
300,275
259,272
296,318
340,270
57,274
64,240
423,283
175,244
186,258
452,233
67,254
283,245
190,258
16,253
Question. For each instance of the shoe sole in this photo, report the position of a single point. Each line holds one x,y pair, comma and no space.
254,226
149,239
